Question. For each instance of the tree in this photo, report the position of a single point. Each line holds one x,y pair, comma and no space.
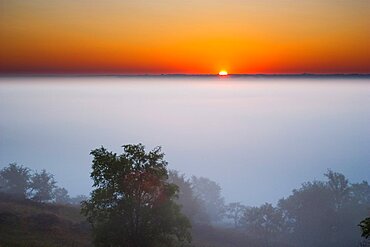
15,180
42,186
310,214
325,213
190,205
265,222
61,196
208,193
360,193
365,227
133,204
235,211
338,184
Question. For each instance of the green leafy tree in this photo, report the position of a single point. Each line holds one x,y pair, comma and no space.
15,180
265,222
133,204
326,213
365,227
42,186
310,214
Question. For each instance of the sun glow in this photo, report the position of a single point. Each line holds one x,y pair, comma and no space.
222,73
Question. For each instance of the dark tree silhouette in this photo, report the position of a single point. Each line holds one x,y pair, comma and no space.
15,180
339,187
61,196
265,222
42,186
310,214
365,227
326,213
132,204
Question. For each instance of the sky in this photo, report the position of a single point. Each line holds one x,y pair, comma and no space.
194,36
259,138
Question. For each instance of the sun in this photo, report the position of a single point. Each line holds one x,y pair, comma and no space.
223,73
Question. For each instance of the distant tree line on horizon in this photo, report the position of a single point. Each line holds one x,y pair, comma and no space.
22,183
319,213
137,201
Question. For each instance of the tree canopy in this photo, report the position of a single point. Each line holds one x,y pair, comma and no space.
209,195
15,180
43,186
133,204
365,227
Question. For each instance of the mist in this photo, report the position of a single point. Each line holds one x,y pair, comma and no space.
258,138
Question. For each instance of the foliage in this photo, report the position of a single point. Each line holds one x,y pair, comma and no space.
325,213
133,204
360,193
190,205
319,213
15,180
43,185
365,227
263,222
309,213
339,187
22,183
208,193
61,196
235,211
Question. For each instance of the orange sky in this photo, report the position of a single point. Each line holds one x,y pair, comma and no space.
184,36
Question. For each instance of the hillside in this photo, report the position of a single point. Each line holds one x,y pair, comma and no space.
26,223
32,224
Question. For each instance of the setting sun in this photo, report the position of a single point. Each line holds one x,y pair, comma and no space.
223,73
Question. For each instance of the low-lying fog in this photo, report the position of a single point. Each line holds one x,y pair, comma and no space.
259,138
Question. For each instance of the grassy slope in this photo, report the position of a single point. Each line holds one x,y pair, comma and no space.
25,223
28,223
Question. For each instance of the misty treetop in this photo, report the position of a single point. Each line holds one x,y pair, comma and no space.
15,180
200,198
137,202
319,213
22,183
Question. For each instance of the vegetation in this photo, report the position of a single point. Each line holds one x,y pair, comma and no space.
21,183
320,213
43,186
365,227
137,202
133,204
15,180
27,223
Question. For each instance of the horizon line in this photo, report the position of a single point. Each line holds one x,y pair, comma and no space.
4,75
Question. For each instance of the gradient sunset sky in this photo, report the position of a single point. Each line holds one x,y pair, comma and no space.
178,36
